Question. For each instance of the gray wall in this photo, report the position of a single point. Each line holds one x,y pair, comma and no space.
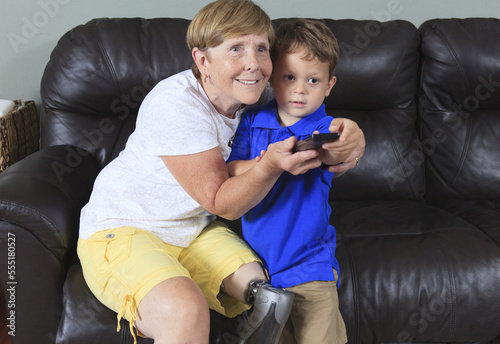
30,28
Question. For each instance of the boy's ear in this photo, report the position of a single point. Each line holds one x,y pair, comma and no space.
271,80
332,82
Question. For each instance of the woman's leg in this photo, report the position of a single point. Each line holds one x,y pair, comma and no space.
173,311
219,260
217,255
238,282
138,276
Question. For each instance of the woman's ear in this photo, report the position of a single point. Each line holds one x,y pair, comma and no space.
201,60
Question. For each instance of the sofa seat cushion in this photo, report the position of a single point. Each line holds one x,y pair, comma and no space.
419,268
82,311
484,214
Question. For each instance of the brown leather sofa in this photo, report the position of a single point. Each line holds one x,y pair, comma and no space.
418,220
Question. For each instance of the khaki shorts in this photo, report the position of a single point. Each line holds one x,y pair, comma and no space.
122,265
315,316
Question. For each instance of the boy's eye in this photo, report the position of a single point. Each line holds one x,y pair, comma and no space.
313,81
289,77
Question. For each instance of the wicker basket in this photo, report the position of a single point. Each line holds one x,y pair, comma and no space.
19,133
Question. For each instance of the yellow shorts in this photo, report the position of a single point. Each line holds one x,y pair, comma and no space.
122,265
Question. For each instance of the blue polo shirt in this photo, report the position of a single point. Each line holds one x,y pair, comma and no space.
289,228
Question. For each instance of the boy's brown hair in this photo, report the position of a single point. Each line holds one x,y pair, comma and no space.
313,35
223,19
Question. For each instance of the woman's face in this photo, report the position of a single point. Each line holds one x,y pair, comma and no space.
237,72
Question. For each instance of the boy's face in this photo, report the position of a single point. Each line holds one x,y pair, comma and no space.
300,86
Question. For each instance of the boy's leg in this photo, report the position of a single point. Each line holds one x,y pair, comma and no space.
315,316
288,336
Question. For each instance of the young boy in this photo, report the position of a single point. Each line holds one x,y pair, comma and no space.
289,229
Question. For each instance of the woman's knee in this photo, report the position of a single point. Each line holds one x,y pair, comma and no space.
190,305
174,307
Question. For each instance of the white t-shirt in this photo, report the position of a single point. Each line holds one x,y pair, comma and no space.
136,189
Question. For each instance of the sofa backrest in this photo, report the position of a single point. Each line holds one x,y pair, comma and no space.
376,86
99,73
459,106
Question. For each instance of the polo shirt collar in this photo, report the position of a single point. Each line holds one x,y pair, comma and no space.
268,119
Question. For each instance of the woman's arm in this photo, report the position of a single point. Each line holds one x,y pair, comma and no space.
205,177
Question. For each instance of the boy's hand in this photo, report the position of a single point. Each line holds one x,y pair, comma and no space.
259,158
237,167
279,156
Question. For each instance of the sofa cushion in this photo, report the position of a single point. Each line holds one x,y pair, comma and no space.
482,213
410,272
392,166
376,87
459,104
82,311
98,75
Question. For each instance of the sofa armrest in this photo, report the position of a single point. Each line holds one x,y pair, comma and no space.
45,192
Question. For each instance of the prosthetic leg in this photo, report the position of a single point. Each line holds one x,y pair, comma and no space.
271,309
271,306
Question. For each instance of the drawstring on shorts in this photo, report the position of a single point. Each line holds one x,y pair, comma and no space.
130,305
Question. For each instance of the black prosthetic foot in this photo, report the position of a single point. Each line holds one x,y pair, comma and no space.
271,308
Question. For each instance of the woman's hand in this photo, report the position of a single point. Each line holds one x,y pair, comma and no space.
349,137
353,159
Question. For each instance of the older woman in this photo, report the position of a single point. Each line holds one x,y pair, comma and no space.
149,246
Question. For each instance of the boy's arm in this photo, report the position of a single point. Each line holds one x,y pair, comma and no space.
237,167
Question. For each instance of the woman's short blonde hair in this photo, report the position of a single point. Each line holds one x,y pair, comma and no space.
224,19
